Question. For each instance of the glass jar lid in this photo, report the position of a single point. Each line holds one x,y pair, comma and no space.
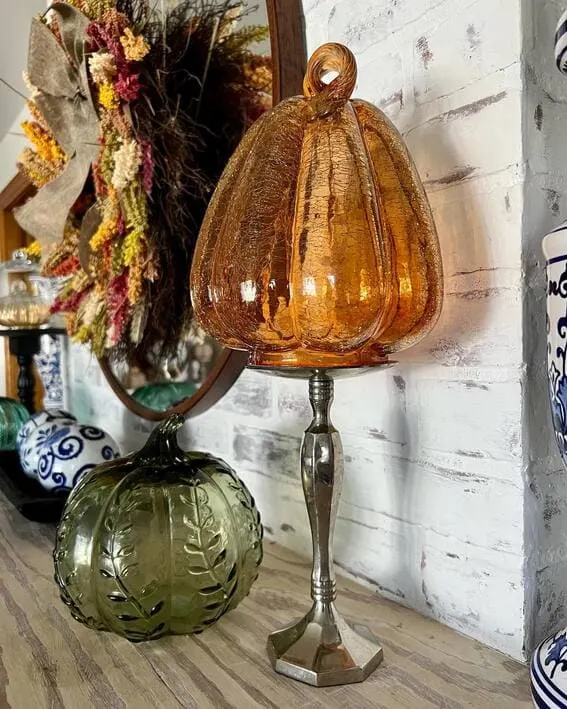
19,263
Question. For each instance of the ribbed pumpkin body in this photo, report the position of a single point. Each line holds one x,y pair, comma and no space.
13,416
318,247
163,542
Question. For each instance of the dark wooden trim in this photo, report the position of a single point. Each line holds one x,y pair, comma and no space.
12,237
16,191
228,368
289,59
289,51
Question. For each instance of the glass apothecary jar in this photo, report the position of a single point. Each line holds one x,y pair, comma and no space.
24,307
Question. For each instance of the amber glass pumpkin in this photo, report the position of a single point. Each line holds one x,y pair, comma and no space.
319,247
161,542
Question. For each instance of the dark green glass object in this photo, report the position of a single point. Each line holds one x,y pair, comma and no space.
13,416
160,542
162,396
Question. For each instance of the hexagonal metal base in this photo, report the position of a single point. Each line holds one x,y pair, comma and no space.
322,649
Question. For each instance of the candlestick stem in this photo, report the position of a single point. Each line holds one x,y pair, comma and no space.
322,649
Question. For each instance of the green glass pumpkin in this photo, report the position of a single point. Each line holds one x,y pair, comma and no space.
160,542
161,396
13,416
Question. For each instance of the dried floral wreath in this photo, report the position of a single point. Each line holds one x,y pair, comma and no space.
135,112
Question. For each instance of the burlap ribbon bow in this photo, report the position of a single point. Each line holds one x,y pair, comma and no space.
60,74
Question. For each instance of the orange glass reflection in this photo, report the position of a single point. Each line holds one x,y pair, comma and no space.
318,247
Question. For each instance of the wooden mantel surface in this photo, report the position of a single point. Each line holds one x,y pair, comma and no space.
49,660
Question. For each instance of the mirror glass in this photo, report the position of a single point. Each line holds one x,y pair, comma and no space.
160,385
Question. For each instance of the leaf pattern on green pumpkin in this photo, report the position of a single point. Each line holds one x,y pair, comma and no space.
71,590
248,518
131,612
158,547
203,554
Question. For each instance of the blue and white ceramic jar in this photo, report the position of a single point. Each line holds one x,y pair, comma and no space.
67,452
41,424
57,451
549,673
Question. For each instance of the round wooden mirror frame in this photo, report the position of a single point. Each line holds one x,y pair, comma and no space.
289,58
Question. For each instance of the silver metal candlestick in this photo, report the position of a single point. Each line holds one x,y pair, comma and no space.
322,648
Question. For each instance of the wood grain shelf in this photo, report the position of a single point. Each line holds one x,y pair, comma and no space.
49,660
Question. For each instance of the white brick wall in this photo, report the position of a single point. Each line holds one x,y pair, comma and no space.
454,499
545,156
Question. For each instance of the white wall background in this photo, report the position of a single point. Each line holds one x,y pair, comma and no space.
11,145
14,31
454,500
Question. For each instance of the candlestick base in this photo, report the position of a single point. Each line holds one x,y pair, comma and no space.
322,649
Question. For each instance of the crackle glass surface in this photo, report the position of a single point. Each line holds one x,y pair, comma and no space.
161,542
319,247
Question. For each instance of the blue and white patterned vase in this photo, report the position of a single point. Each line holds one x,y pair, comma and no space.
548,668
561,44
48,366
555,250
40,424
